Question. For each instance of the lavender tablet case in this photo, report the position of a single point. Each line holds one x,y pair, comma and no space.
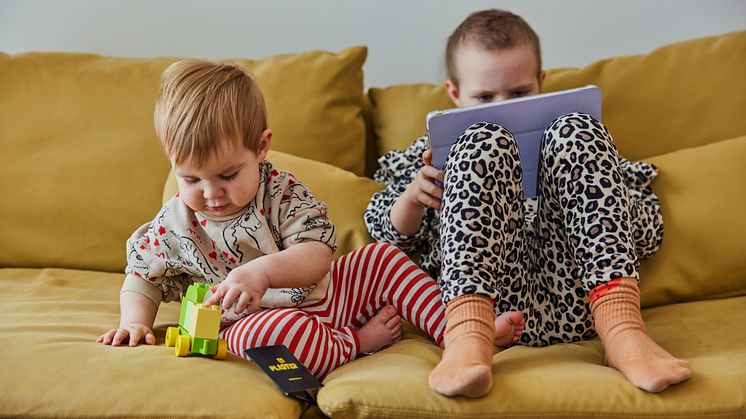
526,118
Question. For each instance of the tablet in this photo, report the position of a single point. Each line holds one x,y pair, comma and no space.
525,117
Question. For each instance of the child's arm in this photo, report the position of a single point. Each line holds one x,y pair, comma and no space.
398,171
136,322
297,266
407,211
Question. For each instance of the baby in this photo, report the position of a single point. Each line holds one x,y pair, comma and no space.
262,240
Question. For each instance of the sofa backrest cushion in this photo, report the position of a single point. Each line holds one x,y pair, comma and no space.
80,165
398,114
680,95
703,198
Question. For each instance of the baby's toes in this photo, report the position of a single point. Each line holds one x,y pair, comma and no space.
388,311
393,322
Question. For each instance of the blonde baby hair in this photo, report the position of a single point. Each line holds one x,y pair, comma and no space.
201,105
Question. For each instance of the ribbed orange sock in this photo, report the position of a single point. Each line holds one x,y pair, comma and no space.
616,313
466,366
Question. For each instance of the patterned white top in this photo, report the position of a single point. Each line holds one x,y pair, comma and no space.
181,246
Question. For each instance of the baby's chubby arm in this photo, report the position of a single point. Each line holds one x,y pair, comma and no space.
136,323
300,265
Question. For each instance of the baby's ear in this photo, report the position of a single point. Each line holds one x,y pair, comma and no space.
452,90
264,142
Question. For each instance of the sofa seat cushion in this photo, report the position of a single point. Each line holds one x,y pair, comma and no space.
564,380
52,366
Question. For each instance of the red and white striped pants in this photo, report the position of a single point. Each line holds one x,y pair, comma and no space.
323,334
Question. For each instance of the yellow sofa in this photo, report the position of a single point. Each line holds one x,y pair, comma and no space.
80,169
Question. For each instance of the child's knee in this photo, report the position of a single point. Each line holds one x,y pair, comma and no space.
485,137
486,152
577,132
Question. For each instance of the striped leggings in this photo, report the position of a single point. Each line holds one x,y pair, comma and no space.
323,334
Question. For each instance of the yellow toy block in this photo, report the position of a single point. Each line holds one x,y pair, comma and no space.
199,326
208,325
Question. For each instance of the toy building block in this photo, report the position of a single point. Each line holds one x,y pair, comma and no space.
199,325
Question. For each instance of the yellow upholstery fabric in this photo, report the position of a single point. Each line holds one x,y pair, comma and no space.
680,95
399,112
564,380
344,193
79,153
371,163
52,365
703,197
314,103
82,168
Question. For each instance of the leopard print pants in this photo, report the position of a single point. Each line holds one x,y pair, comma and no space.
587,229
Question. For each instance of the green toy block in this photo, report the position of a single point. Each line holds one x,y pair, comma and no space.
201,323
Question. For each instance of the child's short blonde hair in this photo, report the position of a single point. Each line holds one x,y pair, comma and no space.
493,30
202,105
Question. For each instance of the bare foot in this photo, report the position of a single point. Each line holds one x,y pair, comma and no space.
383,329
644,363
509,327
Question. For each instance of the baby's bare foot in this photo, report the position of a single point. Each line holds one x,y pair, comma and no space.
509,327
383,329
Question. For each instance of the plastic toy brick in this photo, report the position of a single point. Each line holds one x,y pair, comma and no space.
199,325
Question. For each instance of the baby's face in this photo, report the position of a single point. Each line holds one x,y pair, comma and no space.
489,76
222,186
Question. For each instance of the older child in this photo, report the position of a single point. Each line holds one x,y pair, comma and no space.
260,237
568,259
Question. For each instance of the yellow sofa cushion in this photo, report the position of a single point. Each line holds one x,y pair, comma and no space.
703,195
680,95
81,166
314,102
52,366
563,380
345,194
51,318
398,114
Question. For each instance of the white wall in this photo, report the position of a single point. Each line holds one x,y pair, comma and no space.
405,37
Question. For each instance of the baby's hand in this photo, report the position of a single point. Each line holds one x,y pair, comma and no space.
245,286
423,191
135,331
